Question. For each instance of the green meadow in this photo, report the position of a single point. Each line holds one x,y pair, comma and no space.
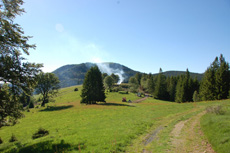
113,126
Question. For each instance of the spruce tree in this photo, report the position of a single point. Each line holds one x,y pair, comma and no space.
222,79
172,88
160,91
151,84
207,86
93,90
180,90
216,80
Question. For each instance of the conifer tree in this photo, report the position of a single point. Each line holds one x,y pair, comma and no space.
172,88
180,90
93,90
216,80
222,79
160,91
151,84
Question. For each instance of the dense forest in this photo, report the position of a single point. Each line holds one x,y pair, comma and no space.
184,88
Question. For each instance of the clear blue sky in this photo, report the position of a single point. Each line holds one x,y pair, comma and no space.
141,34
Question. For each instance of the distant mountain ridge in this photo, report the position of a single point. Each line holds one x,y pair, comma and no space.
178,73
74,74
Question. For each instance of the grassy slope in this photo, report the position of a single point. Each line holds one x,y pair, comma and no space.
93,128
217,128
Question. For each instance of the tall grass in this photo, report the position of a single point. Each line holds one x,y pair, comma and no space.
216,126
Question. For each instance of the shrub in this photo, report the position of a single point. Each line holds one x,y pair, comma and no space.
218,110
31,104
40,133
13,138
195,96
1,141
76,89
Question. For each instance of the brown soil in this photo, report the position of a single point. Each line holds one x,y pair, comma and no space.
139,100
188,137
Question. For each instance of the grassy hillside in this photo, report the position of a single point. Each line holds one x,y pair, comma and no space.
110,127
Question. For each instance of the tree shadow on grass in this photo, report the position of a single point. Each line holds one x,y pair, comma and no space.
56,108
48,147
115,104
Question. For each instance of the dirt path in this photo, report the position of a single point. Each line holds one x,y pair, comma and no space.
188,137
140,100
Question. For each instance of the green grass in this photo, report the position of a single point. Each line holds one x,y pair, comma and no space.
105,127
217,128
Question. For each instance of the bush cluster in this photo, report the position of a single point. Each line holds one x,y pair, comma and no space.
13,138
218,110
40,133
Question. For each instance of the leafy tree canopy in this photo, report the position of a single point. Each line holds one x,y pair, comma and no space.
47,86
20,75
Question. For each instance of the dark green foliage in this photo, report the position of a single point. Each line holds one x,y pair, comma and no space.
207,86
108,82
31,105
1,141
13,67
93,90
138,77
133,85
47,86
160,91
229,94
144,83
195,96
9,106
222,79
104,75
151,84
13,138
185,88
115,78
180,90
216,81
171,87
40,133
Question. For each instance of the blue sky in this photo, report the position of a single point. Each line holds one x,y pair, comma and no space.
141,34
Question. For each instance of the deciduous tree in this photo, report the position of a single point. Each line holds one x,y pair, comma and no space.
20,75
47,86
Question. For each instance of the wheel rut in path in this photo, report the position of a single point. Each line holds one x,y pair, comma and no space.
188,137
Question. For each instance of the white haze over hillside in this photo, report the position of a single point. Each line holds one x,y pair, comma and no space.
105,68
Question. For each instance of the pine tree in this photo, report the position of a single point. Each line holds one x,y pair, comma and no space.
207,87
216,80
180,90
172,88
93,90
150,84
222,79
160,91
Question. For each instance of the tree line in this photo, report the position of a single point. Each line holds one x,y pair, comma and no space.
215,84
